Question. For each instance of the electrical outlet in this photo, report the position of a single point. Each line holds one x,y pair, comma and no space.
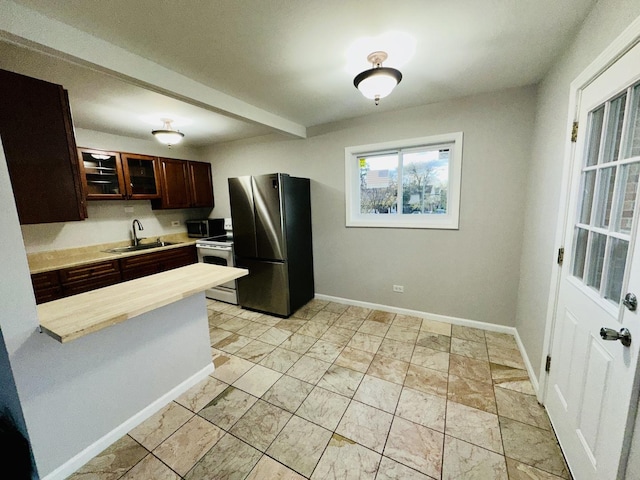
398,288
175,223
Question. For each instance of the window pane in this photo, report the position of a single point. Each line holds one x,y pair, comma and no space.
607,178
617,261
614,129
626,203
633,139
378,184
387,183
425,178
580,252
594,136
588,184
596,259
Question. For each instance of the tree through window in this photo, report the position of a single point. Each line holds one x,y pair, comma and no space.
396,183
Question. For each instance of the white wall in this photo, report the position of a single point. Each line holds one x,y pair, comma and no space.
471,273
604,23
83,390
16,296
107,220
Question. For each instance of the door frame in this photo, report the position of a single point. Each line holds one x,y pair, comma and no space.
621,45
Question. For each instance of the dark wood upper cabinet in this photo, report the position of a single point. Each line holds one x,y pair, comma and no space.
167,182
101,173
116,176
141,176
176,188
37,136
185,184
201,184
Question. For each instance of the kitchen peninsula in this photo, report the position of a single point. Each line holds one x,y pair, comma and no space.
73,317
118,355
86,369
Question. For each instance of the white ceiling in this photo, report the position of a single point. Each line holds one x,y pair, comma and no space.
288,58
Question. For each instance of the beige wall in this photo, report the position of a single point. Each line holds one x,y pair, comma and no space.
471,273
107,220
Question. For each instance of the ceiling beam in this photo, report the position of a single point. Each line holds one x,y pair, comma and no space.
31,29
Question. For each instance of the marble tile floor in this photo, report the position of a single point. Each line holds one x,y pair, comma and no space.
344,392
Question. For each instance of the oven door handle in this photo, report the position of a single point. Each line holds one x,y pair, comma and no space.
217,249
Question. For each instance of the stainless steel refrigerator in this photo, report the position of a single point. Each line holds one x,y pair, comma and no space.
271,217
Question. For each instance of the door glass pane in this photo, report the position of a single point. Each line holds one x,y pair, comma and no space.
596,259
606,181
425,176
626,197
633,138
588,184
101,172
593,146
580,251
614,129
617,260
142,176
378,184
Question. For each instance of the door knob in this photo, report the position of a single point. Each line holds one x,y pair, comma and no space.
630,301
624,335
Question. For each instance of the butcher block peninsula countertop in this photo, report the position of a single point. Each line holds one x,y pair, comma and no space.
73,317
46,261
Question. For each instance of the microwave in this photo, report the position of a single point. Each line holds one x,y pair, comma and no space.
207,227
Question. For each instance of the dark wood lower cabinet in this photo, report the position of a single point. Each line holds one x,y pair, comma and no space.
150,263
55,284
46,286
89,277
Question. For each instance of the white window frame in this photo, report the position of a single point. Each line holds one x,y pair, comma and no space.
449,221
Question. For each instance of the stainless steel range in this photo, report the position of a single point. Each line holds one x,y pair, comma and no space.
218,250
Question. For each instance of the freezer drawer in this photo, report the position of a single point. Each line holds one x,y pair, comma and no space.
266,288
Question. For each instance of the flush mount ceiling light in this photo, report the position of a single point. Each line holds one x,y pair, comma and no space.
168,135
379,81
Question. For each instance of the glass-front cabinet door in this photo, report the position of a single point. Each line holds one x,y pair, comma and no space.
141,174
101,174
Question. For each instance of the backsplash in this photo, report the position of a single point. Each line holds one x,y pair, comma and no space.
107,222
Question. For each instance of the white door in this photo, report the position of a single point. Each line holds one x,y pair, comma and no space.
592,395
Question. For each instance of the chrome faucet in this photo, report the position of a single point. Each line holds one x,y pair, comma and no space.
136,240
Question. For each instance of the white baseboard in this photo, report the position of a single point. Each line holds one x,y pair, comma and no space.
465,322
67,468
527,363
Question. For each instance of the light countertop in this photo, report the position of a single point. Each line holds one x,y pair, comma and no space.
73,317
56,259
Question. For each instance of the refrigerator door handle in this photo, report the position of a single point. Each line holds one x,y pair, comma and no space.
269,216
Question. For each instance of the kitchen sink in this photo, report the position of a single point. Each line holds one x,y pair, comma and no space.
140,246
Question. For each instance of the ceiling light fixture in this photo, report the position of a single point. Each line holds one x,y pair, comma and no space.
168,135
379,81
